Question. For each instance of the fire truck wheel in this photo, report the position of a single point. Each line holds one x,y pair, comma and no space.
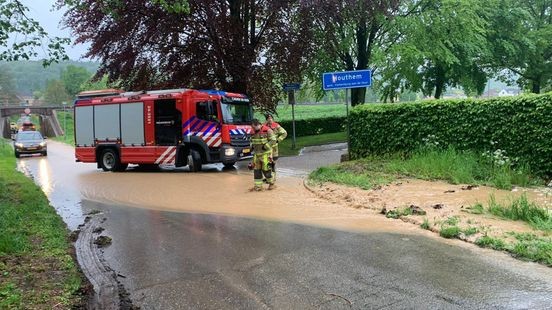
110,160
194,161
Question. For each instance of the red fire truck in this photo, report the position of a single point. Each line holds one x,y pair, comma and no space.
166,127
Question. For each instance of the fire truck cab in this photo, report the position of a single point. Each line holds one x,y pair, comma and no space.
165,127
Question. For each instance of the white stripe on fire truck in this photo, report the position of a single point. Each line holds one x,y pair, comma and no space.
217,143
215,137
170,158
167,151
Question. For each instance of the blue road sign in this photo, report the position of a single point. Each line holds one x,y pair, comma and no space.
347,79
292,86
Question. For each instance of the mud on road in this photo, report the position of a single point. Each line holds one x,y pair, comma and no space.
438,201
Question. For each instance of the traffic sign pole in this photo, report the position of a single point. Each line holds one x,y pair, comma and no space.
347,90
347,80
291,100
290,88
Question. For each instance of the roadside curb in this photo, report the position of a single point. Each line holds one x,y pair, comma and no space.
109,292
308,187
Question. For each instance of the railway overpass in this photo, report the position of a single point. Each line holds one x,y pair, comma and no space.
49,123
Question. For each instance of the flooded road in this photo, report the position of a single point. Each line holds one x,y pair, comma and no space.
183,240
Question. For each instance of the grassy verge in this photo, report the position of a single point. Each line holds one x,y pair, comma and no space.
522,210
286,150
36,266
430,164
525,246
67,124
528,246
306,111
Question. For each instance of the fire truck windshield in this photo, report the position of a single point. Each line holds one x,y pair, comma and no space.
237,113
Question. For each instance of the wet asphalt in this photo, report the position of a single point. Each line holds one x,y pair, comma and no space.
170,260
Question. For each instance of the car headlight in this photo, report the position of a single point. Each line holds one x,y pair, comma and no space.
229,152
43,144
19,144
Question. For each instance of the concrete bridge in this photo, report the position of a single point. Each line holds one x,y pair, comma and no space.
49,123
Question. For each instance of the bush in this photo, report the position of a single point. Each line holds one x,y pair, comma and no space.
518,127
315,126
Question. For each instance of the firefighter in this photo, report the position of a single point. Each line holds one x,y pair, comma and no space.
280,134
262,141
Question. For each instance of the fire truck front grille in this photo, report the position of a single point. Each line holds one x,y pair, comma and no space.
240,140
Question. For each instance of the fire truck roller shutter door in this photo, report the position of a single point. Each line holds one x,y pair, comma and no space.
84,125
132,123
107,122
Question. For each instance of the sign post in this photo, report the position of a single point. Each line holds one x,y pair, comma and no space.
347,80
64,120
290,88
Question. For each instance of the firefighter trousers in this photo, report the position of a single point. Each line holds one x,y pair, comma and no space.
262,168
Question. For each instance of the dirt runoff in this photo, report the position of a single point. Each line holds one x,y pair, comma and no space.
439,201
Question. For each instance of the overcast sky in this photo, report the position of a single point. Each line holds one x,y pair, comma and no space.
50,18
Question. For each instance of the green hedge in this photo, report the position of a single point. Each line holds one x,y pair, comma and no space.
520,126
315,126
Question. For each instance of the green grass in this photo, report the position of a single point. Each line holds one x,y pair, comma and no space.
430,164
475,209
521,209
525,246
425,225
67,124
307,111
450,232
452,221
533,248
285,146
490,242
459,167
395,214
470,231
351,174
34,250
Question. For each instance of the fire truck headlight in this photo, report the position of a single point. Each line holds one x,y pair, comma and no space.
230,152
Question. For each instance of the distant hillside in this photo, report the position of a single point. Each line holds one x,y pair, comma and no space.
30,76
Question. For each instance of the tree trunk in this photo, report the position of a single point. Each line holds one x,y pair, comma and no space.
439,81
536,86
358,96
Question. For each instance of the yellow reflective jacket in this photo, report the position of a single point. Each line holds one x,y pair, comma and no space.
263,140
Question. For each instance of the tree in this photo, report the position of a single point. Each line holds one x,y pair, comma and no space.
521,38
21,37
443,45
73,78
347,33
7,87
95,84
55,93
245,46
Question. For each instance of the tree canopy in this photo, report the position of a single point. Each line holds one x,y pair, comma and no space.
253,46
236,45
521,39
22,38
73,77
443,44
346,35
